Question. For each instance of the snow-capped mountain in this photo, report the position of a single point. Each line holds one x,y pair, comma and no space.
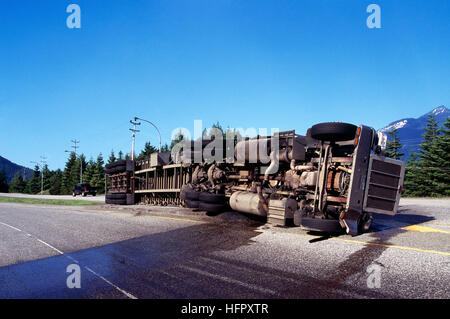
410,130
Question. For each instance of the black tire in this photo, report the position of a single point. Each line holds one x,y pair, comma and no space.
191,203
116,196
183,190
116,201
321,225
333,131
116,169
115,164
211,198
73,194
83,194
211,207
190,194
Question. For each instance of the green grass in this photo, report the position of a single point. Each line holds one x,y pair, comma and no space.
46,201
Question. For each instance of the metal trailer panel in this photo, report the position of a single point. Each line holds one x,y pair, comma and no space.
384,184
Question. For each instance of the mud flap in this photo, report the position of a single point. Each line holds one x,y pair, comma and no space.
321,225
351,221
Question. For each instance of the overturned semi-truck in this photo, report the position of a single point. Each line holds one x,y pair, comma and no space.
330,180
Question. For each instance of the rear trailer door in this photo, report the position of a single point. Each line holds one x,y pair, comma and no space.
384,185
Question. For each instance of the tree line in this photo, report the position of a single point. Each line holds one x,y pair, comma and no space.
427,169
61,182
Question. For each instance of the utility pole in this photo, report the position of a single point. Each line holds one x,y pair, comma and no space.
133,135
43,162
75,142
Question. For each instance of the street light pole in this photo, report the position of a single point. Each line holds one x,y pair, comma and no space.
133,135
75,142
43,158
137,118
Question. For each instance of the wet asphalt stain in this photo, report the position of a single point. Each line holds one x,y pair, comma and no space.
122,262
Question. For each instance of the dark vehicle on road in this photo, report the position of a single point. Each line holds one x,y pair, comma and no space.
84,190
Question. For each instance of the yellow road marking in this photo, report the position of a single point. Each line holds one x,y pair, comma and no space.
378,244
180,219
394,246
424,229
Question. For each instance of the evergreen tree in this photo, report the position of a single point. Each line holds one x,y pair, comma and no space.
90,171
428,172
34,184
120,155
78,168
439,156
165,148
98,177
145,153
17,184
67,178
412,183
112,158
47,176
393,145
3,182
55,181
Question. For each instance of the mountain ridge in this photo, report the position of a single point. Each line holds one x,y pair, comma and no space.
11,169
410,130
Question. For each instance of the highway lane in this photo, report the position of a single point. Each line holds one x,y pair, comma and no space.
148,252
97,198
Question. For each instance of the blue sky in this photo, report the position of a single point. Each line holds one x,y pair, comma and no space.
245,63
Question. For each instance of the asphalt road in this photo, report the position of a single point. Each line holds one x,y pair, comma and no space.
154,252
97,198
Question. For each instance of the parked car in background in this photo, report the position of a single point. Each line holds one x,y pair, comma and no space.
84,190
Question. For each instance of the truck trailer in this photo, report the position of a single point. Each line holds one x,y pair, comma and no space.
330,180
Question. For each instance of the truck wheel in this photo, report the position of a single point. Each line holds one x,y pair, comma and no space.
211,207
190,194
116,196
333,131
116,201
183,191
73,194
191,203
211,198
116,169
321,225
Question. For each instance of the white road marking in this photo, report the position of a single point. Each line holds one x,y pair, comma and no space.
230,280
74,260
10,226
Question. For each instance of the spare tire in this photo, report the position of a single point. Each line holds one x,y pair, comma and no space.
211,198
191,194
116,201
333,131
116,196
191,203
